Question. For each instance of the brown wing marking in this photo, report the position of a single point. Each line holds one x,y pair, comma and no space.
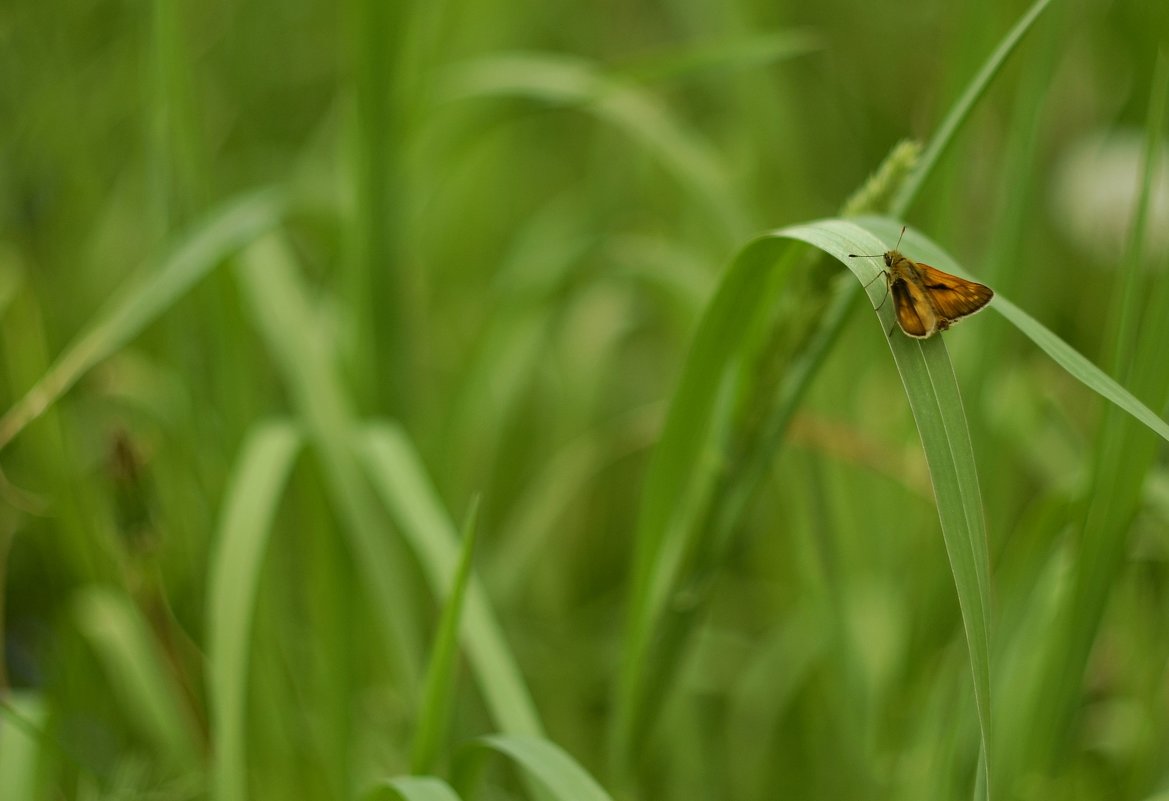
953,297
914,314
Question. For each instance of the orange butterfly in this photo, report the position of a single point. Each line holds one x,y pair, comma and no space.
925,299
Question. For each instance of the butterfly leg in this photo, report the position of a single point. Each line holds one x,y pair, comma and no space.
886,274
875,277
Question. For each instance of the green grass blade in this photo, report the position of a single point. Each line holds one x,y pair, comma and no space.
932,390
961,110
663,535
871,198
177,154
1079,367
437,692
740,52
838,238
22,721
1129,457
1062,353
1125,456
680,471
692,410
253,495
137,672
1126,334
376,286
399,478
545,762
576,83
292,330
411,788
136,306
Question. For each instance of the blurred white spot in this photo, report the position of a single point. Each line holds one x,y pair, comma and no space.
1095,191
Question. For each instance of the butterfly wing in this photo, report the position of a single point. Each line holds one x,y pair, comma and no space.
914,313
952,297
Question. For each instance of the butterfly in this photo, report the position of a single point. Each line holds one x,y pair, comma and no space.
925,299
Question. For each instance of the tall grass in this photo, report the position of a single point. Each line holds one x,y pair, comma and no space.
278,306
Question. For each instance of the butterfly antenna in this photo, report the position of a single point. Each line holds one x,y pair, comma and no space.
878,255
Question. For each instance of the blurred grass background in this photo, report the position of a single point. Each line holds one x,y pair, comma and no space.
443,250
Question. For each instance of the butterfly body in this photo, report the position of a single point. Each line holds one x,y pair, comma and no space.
927,300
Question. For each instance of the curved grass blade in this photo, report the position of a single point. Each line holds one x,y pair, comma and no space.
253,494
540,759
937,407
577,83
682,464
290,326
411,788
1067,357
140,303
660,525
384,454
933,396
400,480
833,236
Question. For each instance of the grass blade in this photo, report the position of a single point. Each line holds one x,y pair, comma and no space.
576,83
22,720
1067,357
290,327
136,306
411,788
252,498
747,51
933,396
691,413
377,290
139,676
400,480
946,132
436,695
1125,455
674,486
1080,368
545,762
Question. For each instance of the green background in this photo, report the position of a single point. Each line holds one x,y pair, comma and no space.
290,294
